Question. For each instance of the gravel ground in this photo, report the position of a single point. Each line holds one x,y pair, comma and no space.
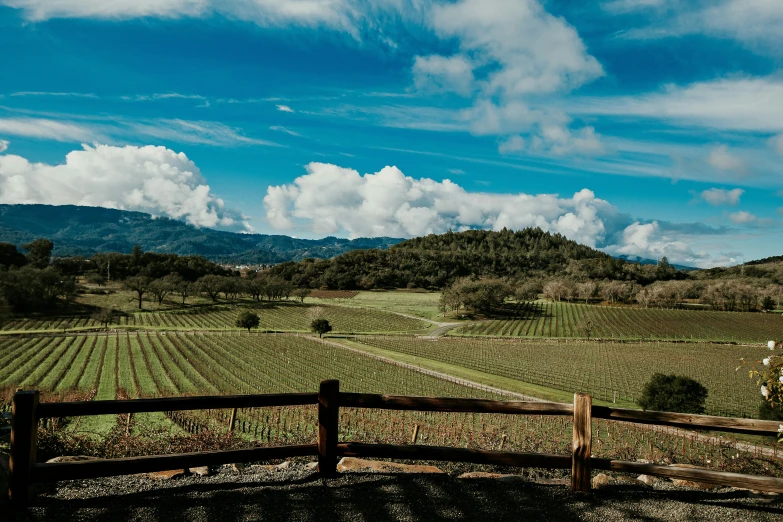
297,494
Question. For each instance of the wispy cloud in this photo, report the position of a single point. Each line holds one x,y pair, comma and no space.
49,129
203,132
284,108
280,128
57,94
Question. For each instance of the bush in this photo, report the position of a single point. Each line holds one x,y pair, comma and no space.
673,393
320,326
767,412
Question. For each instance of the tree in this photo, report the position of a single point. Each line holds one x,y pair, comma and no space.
301,293
248,319
673,393
586,290
96,279
10,256
768,303
555,290
138,284
211,285
104,316
162,287
39,252
320,326
586,327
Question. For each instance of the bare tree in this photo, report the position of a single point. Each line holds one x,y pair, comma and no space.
138,284
586,290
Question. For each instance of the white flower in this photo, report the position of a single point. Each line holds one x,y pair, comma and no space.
766,361
765,391
780,428
771,345
781,379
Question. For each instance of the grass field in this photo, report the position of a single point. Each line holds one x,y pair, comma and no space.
275,315
558,319
421,304
598,368
160,364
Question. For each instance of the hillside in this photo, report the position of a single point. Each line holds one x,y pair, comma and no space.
85,231
436,260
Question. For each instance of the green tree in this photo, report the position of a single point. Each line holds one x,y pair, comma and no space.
301,293
39,252
138,284
768,303
320,326
248,319
211,285
104,316
673,393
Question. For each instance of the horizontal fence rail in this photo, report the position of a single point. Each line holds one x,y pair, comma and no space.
27,411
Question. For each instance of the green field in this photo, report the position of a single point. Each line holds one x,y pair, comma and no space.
597,368
421,304
559,319
276,315
163,364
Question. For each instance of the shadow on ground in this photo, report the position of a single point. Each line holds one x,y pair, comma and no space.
378,497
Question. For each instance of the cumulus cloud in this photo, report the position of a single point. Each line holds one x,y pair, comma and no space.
3,145
721,159
150,179
330,199
716,196
284,108
742,217
441,73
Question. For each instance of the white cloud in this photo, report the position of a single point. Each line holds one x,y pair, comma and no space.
749,104
150,179
280,128
3,145
742,217
55,94
185,131
48,129
721,159
330,199
716,196
513,144
443,74
284,108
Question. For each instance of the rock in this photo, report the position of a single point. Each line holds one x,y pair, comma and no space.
70,458
201,471
601,480
764,493
236,468
647,479
480,475
167,475
690,483
311,466
275,467
377,466
554,481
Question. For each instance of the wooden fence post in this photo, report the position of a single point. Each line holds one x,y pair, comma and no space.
582,442
232,419
24,444
328,415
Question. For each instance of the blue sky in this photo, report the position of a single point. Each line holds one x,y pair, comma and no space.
642,127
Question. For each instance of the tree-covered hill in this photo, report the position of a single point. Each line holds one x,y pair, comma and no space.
435,261
85,231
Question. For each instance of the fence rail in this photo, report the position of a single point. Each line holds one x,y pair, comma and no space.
27,412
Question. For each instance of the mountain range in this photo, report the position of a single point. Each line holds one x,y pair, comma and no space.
78,230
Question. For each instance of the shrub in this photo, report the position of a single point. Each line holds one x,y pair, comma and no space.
673,393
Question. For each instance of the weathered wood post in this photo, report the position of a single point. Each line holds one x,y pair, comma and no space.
24,444
328,415
232,420
582,442
415,435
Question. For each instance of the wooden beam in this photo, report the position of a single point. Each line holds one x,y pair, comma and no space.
719,478
448,404
130,465
212,402
581,445
328,417
688,421
24,444
419,452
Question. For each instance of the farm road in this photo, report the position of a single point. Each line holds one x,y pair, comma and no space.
441,329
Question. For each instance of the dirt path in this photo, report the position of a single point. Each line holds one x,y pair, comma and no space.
441,329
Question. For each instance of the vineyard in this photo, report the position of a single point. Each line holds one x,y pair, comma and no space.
559,319
598,368
334,294
277,316
133,364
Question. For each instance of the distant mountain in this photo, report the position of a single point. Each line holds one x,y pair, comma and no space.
88,230
646,261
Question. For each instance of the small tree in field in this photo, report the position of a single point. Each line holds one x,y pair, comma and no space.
673,393
104,316
248,319
320,326
301,293
586,328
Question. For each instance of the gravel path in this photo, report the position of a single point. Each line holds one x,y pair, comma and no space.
297,494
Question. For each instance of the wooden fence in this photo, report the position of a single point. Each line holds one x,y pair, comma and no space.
27,411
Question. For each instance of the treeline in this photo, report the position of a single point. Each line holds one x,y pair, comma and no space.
489,294
436,261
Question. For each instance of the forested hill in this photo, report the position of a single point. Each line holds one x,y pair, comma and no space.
86,231
436,260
